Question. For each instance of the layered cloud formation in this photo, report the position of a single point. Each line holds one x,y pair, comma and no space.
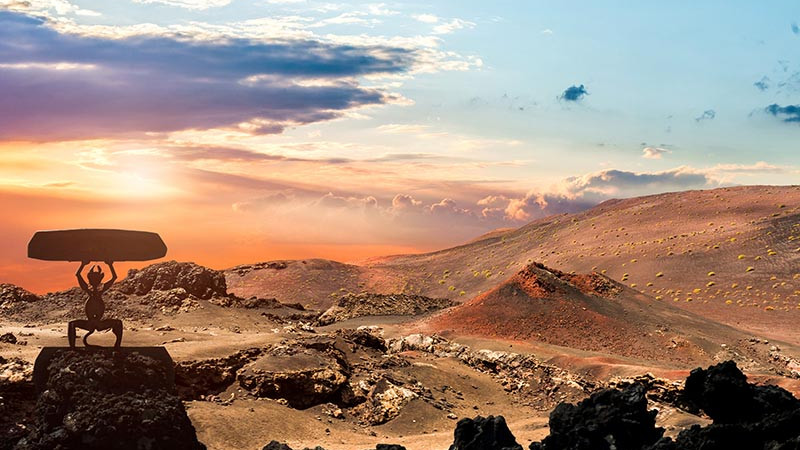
59,85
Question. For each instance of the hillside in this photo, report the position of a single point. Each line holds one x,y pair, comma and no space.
730,254
593,313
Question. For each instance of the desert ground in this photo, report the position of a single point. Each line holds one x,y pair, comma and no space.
397,349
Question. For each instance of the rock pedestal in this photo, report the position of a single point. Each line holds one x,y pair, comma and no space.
100,398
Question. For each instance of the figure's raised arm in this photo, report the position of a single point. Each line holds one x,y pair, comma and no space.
81,281
110,282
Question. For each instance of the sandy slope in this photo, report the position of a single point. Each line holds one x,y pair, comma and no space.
692,248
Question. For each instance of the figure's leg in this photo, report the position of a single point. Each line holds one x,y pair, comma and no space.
71,334
116,328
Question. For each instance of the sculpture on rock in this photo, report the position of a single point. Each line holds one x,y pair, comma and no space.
87,245
94,305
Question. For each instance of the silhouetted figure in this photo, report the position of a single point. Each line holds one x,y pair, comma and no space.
95,306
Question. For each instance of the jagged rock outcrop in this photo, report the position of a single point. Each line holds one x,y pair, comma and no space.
607,420
484,433
247,303
199,379
275,445
17,398
102,399
384,402
366,304
196,280
533,382
745,415
14,299
722,392
303,375
10,294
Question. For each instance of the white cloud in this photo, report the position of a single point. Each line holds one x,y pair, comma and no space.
59,7
380,9
189,4
654,152
426,18
453,25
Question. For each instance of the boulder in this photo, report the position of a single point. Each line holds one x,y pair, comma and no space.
384,402
306,374
608,419
722,392
484,433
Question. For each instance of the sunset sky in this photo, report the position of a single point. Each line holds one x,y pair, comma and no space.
251,130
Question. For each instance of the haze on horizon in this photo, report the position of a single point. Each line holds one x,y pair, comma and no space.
250,130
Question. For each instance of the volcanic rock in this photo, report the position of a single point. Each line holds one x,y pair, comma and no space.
247,303
17,397
104,399
484,433
10,294
196,280
199,379
608,419
724,394
367,304
745,415
303,376
384,402
275,445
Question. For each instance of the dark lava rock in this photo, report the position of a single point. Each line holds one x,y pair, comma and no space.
196,280
724,394
199,379
275,445
102,399
364,338
489,433
8,338
745,415
608,419
308,374
17,398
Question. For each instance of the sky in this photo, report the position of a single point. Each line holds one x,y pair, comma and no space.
252,130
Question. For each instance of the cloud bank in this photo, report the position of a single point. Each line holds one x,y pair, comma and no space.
96,86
